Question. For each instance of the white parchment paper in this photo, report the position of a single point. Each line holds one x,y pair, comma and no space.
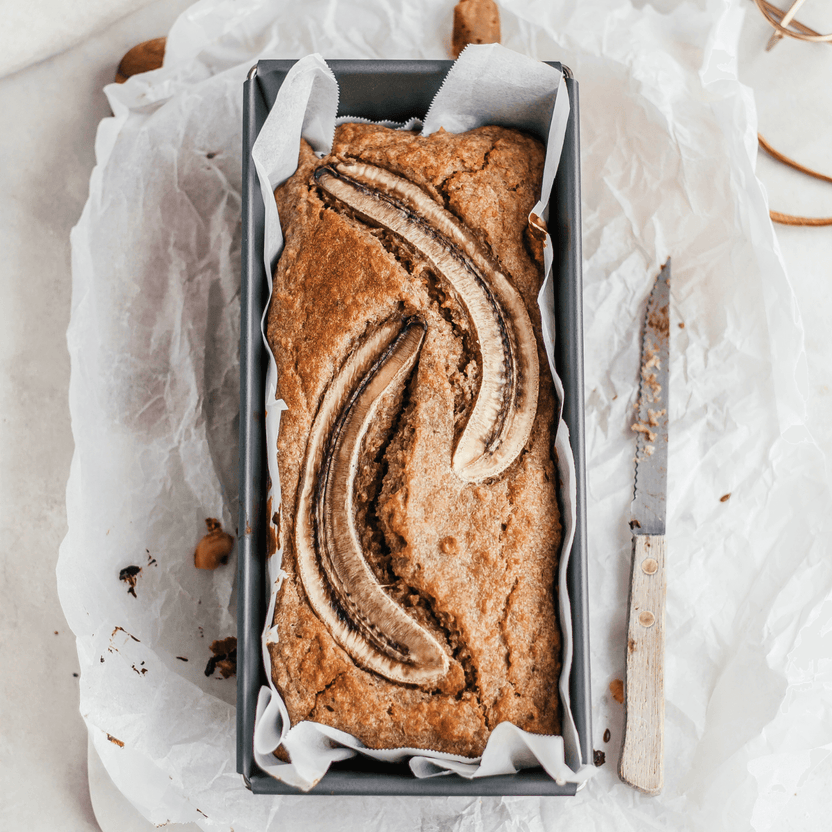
668,154
487,85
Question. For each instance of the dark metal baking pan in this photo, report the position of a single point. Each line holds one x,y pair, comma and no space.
393,90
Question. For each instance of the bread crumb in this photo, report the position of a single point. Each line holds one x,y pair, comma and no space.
725,497
214,548
617,690
224,658
130,575
475,21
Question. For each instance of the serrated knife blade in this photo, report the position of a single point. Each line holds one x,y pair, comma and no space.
649,507
642,755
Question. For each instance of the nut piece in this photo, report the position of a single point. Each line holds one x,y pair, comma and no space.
475,21
214,548
142,58
501,420
224,658
340,586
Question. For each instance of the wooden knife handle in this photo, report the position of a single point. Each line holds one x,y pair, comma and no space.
642,755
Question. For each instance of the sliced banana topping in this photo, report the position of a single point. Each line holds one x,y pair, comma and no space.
502,416
339,583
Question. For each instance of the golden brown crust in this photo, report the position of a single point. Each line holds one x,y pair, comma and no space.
474,563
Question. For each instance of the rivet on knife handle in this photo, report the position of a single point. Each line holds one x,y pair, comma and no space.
641,764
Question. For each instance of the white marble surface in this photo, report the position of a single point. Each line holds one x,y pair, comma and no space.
50,113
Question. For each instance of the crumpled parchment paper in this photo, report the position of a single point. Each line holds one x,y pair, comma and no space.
668,145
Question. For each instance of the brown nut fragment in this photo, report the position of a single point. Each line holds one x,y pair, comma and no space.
214,548
224,658
142,58
475,21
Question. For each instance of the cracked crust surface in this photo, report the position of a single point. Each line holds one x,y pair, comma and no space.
475,564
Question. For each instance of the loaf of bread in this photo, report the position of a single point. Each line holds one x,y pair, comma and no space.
419,519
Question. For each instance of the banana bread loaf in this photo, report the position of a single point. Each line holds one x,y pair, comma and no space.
419,520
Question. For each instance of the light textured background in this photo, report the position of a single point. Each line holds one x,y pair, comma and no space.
50,113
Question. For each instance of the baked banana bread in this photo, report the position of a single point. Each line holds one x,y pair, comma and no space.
419,519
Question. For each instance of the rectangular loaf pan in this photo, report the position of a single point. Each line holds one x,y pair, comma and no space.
397,91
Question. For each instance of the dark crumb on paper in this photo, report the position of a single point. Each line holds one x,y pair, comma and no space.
617,690
56,632
181,658
607,735
210,155
201,634
631,645
141,671
224,658
74,675
122,630
599,758
725,497
114,741
202,813
634,524
130,575
101,659
681,326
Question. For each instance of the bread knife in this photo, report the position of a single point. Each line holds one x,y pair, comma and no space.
641,764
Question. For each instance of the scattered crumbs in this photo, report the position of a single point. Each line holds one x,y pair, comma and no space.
224,658
113,740
181,658
122,630
617,690
75,675
653,417
659,320
130,575
681,326
599,758
607,735
640,428
140,672
725,497
201,634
